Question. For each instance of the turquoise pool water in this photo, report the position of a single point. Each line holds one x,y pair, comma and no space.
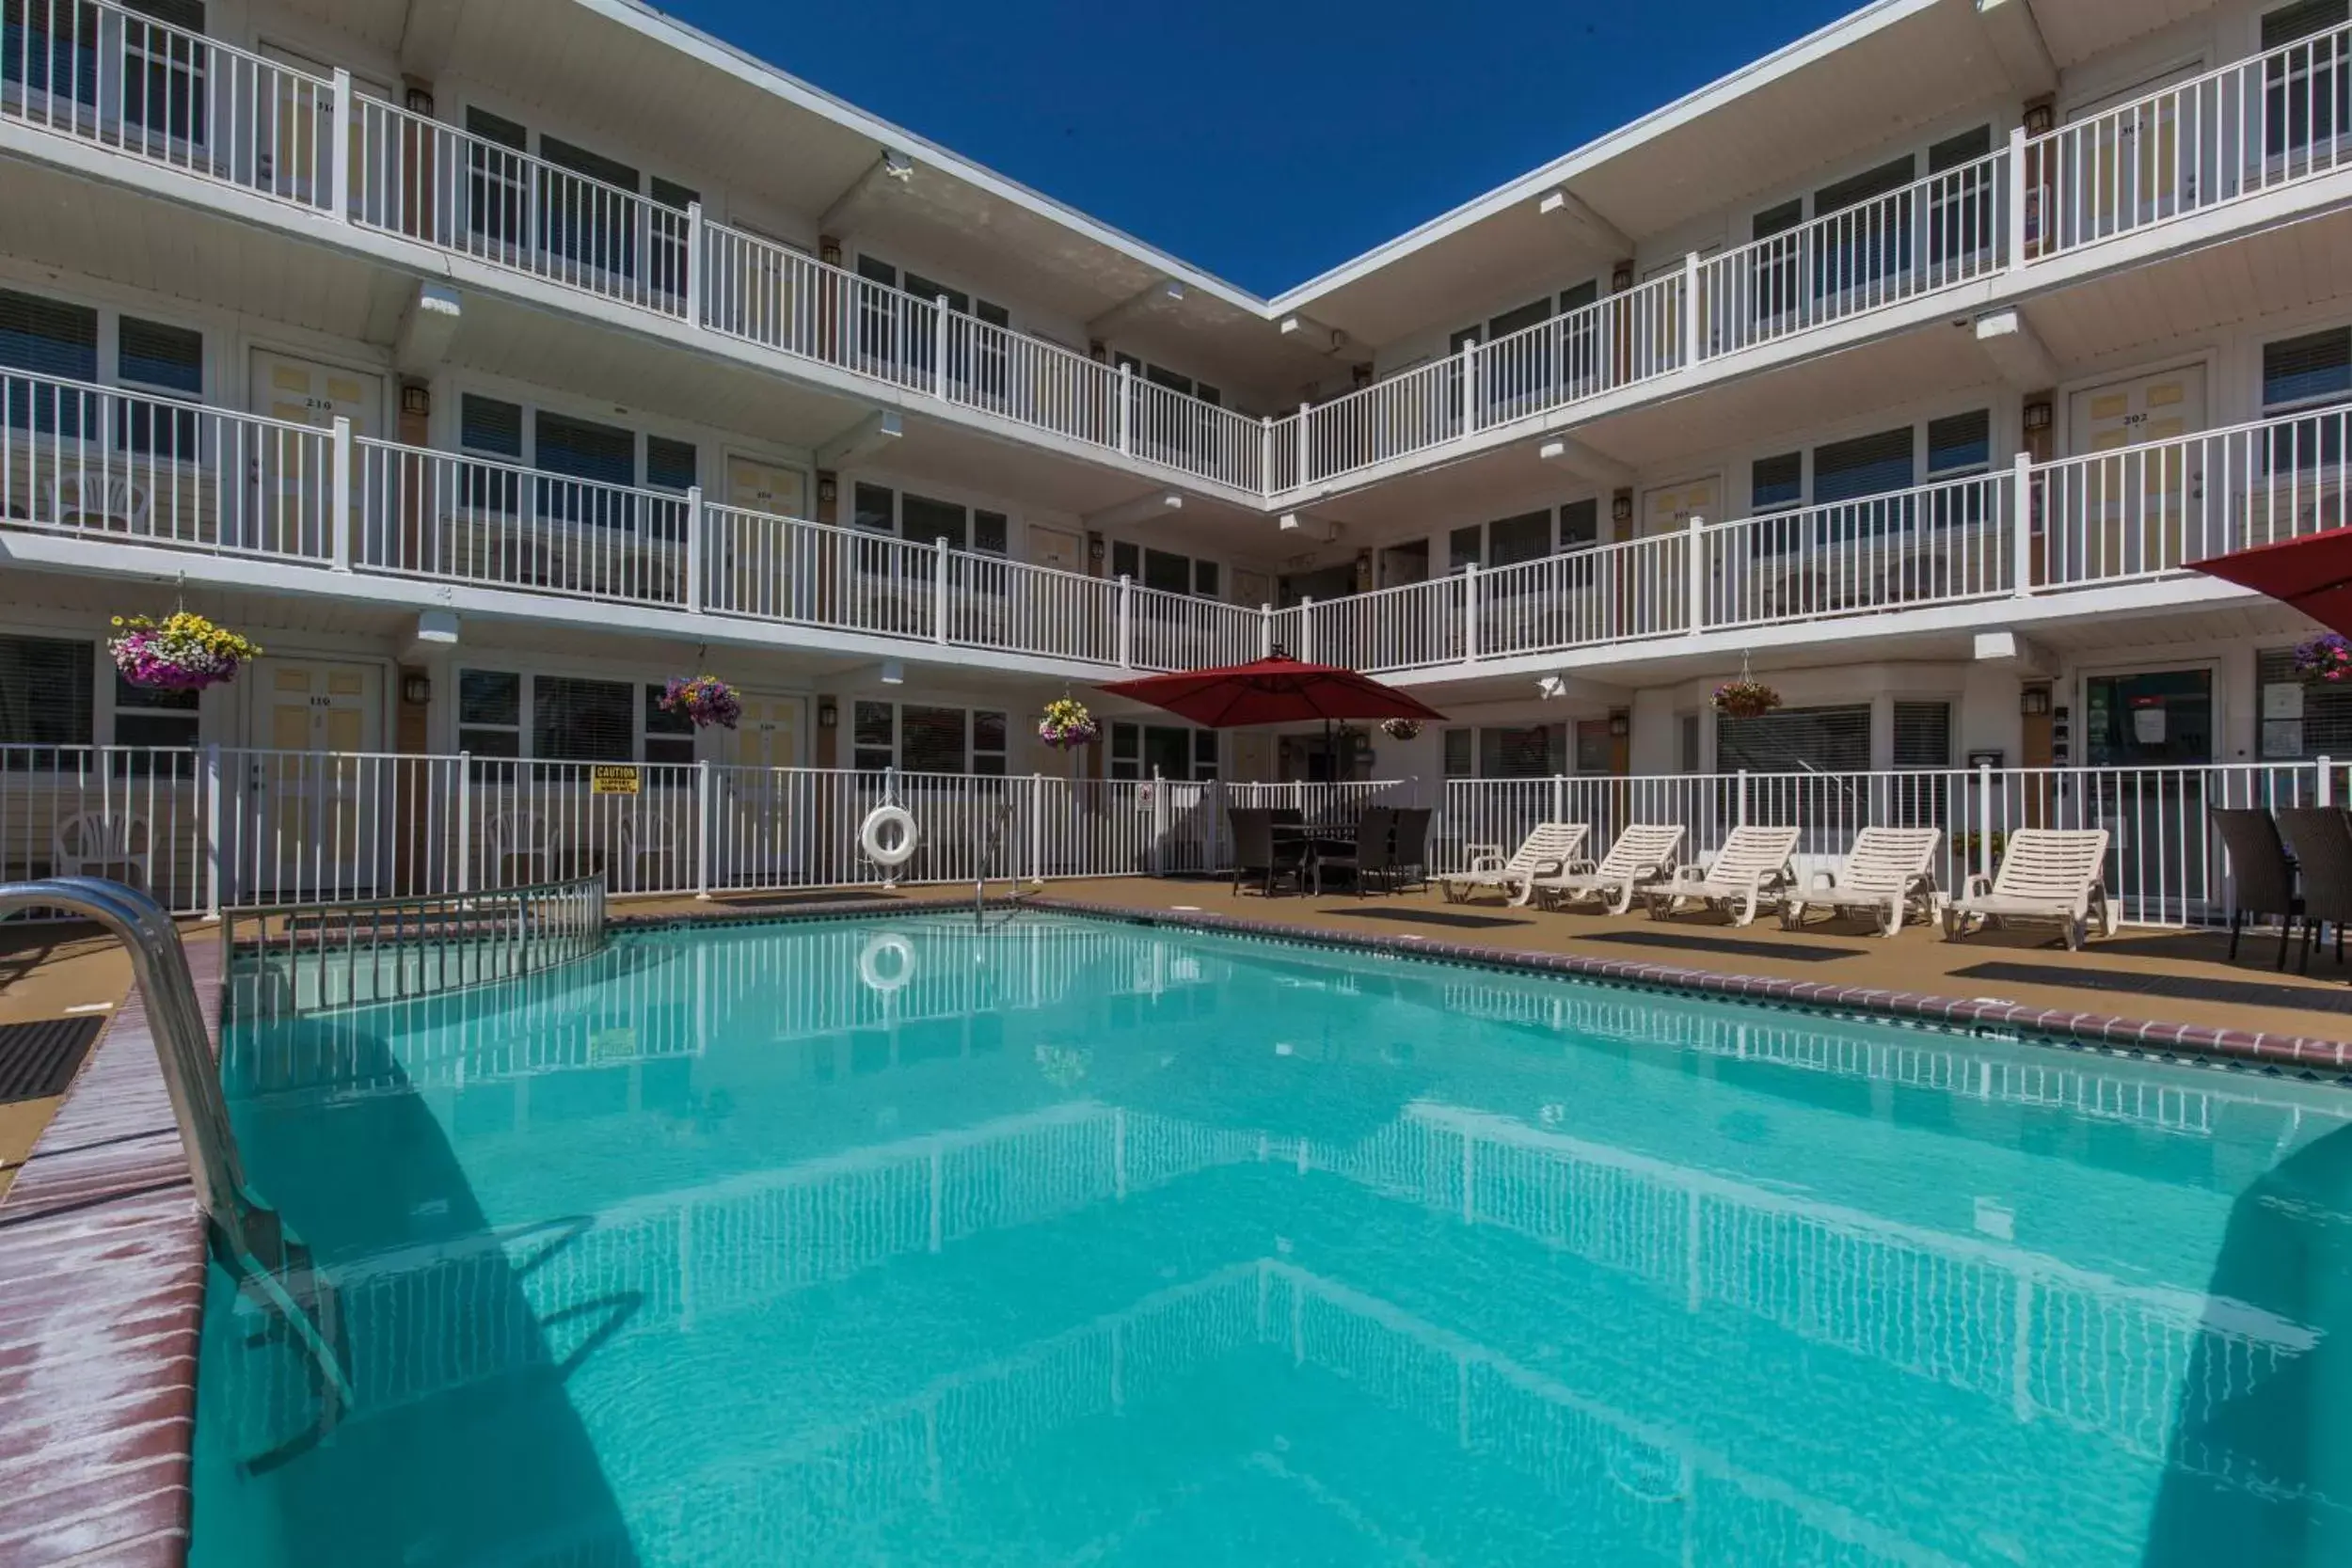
1077,1242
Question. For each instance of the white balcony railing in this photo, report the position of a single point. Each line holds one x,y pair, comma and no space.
2280,117
98,72
103,465
1948,229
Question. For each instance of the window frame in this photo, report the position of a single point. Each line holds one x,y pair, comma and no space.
642,725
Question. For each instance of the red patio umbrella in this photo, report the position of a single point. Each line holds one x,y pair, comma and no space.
1273,692
2312,574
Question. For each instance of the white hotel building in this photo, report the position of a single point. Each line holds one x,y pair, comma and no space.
490,361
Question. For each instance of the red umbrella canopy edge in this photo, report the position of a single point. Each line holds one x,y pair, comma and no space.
2312,574
1272,692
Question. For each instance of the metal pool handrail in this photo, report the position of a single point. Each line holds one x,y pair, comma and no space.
270,1261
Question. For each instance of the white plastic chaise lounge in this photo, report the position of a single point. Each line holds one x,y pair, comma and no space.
1886,877
1750,870
1643,852
2045,874
1549,847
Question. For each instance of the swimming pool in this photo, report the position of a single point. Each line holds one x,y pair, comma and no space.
909,1242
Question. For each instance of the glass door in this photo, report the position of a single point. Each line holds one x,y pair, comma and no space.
2153,729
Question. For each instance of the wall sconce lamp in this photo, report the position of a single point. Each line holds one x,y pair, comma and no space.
2037,416
420,100
416,690
1621,507
416,398
828,716
1620,724
2034,701
828,489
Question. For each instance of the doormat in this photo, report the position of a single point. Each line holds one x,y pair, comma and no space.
38,1060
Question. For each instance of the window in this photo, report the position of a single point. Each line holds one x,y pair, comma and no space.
1205,578
1959,443
489,425
490,713
1796,739
1923,734
46,337
574,720
1580,524
989,730
923,520
2306,372
673,195
875,508
671,464
1528,752
2308,90
1165,751
1780,219
668,737
1525,537
144,716
1857,188
1866,465
1965,148
1463,547
1775,483
1686,742
1164,570
596,166
931,739
153,355
45,692
603,453
1594,752
2300,722
1204,754
874,736
1460,754
992,532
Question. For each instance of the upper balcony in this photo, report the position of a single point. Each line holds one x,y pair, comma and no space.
2256,142
94,478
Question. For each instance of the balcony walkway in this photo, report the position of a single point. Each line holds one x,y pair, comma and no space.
2168,978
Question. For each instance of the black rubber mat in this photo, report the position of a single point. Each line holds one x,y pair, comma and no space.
39,1060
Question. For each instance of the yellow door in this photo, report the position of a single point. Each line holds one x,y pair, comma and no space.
2126,160
770,805
2132,512
319,792
766,564
1056,547
289,475
1670,507
765,488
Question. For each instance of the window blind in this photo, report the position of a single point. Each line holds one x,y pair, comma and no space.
596,166
2326,728
1525,537
45,692
2312,369
1796,739
1866,465
489,425
582,721
187,15
1776,482
1960,441
1965,148
922,519
586,450
153,354
2288,23
48,336
1580,524
670,465
931,739
1923,734
497,128
1857,188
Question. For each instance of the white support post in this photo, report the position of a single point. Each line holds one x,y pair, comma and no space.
939,347
339,153
694,264
702,828
1694,569
1159,824
1984,820
1299,478
695,547
1265,454
465,822
1690,309
338,496
2326,782
211,831
1036,828
1739,802
1468,372
1126,409
1469,614
2017,200
1266,631
1126,622
2021,540
1306,653
939,589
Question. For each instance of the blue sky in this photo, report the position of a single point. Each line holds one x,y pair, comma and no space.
1264,142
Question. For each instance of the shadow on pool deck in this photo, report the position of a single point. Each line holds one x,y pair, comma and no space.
2288,1251
462,1446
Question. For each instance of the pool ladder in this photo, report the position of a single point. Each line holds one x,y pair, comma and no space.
991,851
270,1262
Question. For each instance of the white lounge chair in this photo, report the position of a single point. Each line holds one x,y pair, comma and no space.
1750,869
1549,847
1886,877
2045,874
1643,852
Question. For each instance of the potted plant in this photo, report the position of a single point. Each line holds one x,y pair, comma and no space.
1745,698
706,700
1400,729
2326,658
1066,725
182,652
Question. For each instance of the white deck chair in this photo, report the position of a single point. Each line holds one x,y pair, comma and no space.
1549,847
1643,852
102,844
1750,869
2045,874
1887,876
520,837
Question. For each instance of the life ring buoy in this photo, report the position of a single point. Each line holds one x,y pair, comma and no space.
870,971
869,838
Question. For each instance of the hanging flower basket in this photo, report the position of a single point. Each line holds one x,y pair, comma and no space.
1745,698
706,700
1066,725
1400,729
2326,659
182,652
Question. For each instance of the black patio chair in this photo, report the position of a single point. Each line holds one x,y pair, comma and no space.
2262,878
2321,838
1261,853
1410,852
1369,858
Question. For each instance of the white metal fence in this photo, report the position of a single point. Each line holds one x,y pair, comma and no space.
2165,864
